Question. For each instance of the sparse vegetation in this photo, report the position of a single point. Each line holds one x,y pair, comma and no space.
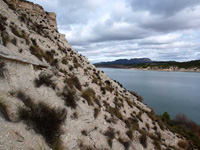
89,95
187,128
45,120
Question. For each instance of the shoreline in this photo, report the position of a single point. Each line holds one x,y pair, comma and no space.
164,70
168,70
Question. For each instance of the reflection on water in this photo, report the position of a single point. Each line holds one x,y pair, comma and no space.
174,92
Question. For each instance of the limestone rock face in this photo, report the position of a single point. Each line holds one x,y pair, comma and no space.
37,64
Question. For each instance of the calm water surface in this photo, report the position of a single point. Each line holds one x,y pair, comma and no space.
174,92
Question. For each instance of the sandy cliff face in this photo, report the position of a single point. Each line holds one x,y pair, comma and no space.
37,64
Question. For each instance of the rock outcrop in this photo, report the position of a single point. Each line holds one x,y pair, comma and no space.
51,97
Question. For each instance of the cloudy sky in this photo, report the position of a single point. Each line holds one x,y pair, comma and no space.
105,30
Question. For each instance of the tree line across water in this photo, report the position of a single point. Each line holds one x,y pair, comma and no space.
168,64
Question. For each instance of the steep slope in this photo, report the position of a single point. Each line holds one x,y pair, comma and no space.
51,96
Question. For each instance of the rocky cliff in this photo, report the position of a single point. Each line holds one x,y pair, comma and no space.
51,97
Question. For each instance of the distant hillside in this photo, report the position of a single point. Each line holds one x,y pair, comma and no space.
123,62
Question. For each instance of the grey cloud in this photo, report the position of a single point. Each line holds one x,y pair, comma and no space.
135,28
165,7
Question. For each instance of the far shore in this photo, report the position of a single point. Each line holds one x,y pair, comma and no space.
150,69
168,70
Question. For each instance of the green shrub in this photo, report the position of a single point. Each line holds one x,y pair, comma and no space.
166,117
96,112
89,95
45,120
143,139
73,81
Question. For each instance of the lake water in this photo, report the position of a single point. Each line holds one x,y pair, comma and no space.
174,92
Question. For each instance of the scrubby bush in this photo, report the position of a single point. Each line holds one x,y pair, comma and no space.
70,98
103,90
139,98
24,98
15,31
183,144
96,112
129,133
143,139
4,109
2,69
73,81
110,133
44,79
126,144
45,120
14,41
89,95
64,61
35,50
115,112
10,5
2,22
84,132
5,38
